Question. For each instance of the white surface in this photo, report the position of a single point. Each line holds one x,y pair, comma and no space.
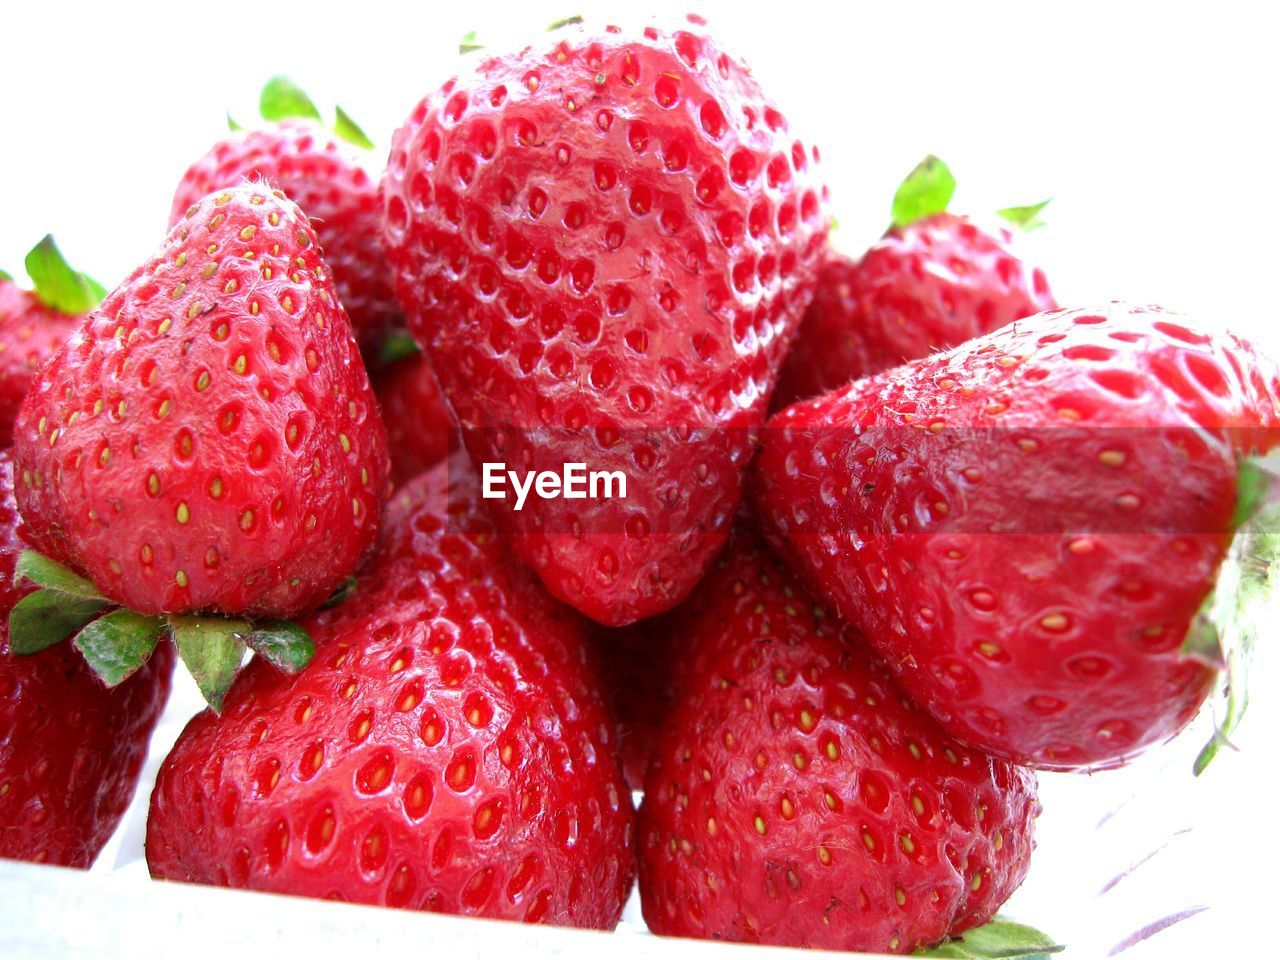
1152,125
1116,852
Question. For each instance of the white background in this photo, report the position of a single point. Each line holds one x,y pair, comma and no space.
1152,126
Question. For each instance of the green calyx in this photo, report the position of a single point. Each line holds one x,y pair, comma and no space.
1024,218
349,130
57,285
564,22
926,191
117,643
282,99
1239,608
398,345
341,595
998,938
6,276
469,43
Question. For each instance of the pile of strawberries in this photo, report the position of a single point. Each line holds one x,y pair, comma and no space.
897,531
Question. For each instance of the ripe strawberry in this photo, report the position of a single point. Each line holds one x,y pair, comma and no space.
420,428
208,440
797,798
33,323
1026,526
605,246
326,175
446,750
932,281
70,749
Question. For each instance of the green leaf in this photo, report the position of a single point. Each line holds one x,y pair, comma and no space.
926,191
1252,486
341,595
469,43
1240,607
1024,218
349,130
233,124
282,99
118,643
998,938
6,276
212,649
566,22
1203,642
398,345
286,646
57,285
46,617
44,572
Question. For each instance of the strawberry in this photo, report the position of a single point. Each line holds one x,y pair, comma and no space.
932,281
604,245
70,749
326,175
33,323
798,798
420,428
446,750
209,440
207,443
1027,526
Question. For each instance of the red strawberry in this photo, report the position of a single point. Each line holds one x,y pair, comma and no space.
1026,526
70,749
797,798
933,281
328,179
446,750
420,428
33,323
604,246
208,440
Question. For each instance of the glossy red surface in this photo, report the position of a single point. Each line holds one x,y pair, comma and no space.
329,181
208,439
921,288
70,749
605,245
30,332
447,749
798,798
1025,526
